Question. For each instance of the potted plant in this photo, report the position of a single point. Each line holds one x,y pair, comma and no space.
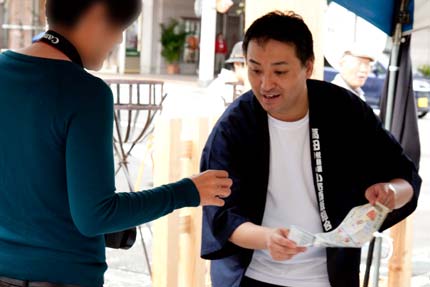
425,70
173,38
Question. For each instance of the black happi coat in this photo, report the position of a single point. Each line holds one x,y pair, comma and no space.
350,152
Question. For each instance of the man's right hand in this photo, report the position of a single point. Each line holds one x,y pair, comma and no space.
280,247
213,186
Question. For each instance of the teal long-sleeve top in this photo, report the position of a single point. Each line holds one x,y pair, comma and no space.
57,187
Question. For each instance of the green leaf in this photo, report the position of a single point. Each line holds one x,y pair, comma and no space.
425,70
173,37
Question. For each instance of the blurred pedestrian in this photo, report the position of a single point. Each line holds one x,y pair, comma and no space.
354,69
220,52
232,81
237,59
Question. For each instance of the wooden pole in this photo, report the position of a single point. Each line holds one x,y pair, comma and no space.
166,229
177,237
400,264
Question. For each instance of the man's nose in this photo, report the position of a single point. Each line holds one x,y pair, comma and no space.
267,83
365,67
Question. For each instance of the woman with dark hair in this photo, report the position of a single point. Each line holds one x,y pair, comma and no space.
57,189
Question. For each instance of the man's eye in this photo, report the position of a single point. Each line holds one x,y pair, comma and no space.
257,72
280,73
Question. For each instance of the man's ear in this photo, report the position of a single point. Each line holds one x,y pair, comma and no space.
309,66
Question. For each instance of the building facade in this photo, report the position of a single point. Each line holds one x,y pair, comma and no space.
20,21
188,12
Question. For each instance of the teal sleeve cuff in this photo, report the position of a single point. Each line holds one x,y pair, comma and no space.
186,193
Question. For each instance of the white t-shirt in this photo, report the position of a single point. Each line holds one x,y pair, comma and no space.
291,200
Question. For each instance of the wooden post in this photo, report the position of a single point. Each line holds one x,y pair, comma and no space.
166,229
400,265
177,237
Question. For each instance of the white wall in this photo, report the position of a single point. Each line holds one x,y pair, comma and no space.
420,52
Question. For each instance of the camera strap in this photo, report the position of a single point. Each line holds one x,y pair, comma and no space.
60,43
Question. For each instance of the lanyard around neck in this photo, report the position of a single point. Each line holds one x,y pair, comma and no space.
60,43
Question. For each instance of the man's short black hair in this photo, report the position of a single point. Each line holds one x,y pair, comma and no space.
67,12
283,27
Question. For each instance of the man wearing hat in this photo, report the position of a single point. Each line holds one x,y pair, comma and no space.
237,59
354,68
231,82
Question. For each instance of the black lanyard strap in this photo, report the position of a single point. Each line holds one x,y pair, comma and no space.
319,178
59,42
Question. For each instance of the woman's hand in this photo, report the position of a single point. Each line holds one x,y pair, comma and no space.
213,187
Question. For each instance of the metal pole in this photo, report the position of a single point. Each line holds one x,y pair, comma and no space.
377,254
392,75
369,260
392,79
394,68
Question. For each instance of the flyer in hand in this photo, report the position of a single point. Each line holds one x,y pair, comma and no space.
355,230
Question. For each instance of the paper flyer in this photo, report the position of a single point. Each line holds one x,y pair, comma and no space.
355,230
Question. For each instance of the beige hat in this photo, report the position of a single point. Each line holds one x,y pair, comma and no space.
236,55
359,50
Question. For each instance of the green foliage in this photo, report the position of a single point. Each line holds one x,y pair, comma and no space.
172,40
425,70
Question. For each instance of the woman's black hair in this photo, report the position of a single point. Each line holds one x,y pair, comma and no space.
283,27
67,12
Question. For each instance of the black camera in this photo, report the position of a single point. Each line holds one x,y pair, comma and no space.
122,239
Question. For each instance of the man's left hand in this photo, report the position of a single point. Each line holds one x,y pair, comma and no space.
383,193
